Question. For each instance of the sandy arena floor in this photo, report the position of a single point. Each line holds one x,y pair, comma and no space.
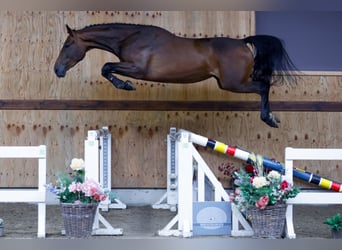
142,222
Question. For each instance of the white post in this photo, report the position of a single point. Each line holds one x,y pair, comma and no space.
41,188
185,196
200,184
172,171
289,209
91,156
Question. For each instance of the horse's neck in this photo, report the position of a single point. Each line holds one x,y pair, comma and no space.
105,39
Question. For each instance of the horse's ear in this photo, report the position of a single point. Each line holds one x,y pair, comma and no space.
70,31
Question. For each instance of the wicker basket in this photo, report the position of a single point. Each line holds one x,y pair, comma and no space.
269,222
78,219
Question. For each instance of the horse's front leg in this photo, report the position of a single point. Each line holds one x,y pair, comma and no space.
266,114
107,72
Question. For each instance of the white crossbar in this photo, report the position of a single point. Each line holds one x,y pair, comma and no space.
28,195
310,197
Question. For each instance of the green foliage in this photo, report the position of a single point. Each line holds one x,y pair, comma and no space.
334,222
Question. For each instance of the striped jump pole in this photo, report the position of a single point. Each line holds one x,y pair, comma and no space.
251,158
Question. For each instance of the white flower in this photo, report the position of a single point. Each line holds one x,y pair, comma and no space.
259,181
77,164
274,175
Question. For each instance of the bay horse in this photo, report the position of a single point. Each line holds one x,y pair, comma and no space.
146,52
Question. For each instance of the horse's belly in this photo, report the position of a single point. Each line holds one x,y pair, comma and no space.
179,70
177,75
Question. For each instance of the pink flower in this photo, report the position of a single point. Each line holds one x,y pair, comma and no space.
251,179
102,197
231,197
262,202
75,187
90,187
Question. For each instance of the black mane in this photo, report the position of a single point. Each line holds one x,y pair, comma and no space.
112,25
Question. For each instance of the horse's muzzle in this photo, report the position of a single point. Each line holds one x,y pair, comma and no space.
60,72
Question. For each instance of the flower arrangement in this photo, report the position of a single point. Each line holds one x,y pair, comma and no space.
255,188
72,187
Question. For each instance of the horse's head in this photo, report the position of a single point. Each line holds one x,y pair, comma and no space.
72,52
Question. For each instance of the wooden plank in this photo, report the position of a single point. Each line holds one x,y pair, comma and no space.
295,106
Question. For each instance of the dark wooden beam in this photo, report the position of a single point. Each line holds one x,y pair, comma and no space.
300,106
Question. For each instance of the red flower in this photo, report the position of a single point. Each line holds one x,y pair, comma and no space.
262,202
284,185
249,169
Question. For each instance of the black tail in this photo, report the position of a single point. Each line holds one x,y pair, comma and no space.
272,63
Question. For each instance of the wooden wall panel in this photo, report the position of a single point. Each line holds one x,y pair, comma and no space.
30,44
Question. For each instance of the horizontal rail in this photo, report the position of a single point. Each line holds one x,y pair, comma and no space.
22,195
142,105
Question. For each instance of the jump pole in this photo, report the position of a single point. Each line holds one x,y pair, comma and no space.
251,157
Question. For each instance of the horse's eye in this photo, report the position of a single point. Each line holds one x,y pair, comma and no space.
68,43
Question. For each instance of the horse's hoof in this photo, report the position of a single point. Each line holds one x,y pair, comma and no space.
129,85
271,120
271,123
274,125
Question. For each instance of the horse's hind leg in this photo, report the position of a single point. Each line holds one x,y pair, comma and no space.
266,114
258,87
107,72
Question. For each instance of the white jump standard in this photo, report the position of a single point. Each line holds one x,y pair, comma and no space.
170,199
97,158
188,161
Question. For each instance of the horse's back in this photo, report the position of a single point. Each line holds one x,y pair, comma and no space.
169,58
